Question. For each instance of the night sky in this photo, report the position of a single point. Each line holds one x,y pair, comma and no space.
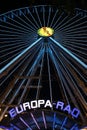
7,5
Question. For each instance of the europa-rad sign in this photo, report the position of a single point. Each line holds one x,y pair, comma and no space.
35,104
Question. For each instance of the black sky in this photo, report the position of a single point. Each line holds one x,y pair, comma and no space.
7,5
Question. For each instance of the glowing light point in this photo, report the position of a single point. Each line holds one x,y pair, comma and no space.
45,31
6,115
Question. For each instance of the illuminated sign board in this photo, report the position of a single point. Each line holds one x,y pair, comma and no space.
35,104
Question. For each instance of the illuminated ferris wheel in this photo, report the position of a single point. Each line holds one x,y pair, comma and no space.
43,55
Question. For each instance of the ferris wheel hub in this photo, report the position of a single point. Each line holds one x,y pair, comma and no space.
45,31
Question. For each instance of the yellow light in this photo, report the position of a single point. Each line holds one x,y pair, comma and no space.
45,31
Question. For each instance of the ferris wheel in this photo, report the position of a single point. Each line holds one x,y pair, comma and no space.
43,55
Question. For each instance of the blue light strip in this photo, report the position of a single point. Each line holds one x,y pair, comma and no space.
49,17
74,39
8,92
75,30
53,18
76,25
34,19
75,44
73,127
49,76
20,24
11,42
69,53
63,79
27,25
43,16
23,28
78,51
18,28
31,72
29,21
35,121
79,95
18,65
55,61
64,122
72,29
24,122
40,74
16,92
44,120
61,23
21,54
14,47
12,127
38,16
11,52
3,128
54,121
67,22
70,25
74,87
56,22
75,68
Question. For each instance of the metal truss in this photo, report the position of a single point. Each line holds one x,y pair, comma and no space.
34,67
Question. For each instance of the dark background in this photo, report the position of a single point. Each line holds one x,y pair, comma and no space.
7,5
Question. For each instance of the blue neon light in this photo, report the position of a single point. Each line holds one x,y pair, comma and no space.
21,54
69,53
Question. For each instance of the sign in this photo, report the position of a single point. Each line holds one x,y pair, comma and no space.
35,104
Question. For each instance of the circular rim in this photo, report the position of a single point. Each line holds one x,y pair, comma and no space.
64,33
